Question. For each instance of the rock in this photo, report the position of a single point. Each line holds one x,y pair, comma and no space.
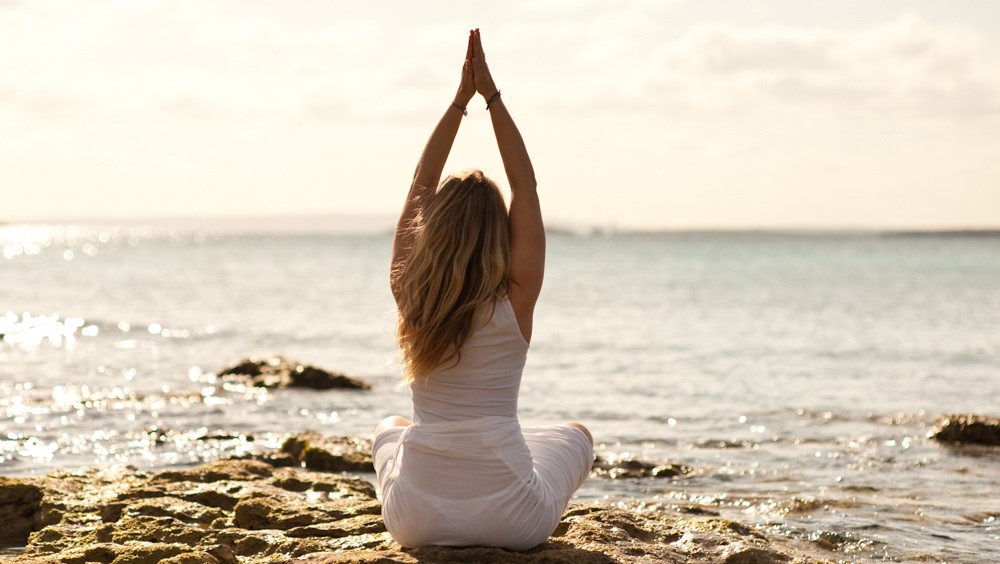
278,372
350,526
180,509
598,534
330,454
223,553
616,468
220,470
966,429
250,512
20,503
278,510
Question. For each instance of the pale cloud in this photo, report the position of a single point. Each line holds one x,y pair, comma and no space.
45,105
907,66
624,59
143,57
138,56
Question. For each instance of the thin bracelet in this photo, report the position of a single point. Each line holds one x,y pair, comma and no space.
493,97
465,112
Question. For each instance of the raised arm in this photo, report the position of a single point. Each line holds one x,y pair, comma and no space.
428,172
527,232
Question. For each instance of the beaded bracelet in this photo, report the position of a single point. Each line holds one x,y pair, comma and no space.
465,112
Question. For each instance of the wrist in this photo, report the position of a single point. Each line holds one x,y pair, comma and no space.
458,105
493,99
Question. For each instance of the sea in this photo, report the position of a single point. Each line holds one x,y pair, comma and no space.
797,373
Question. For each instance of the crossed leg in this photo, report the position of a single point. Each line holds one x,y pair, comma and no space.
392,421
583,428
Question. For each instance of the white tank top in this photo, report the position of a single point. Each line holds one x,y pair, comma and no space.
486,379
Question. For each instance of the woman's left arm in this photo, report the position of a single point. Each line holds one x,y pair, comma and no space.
429,169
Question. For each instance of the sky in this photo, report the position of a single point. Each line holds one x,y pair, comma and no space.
653,114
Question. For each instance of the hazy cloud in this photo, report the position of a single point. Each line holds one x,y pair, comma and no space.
907,66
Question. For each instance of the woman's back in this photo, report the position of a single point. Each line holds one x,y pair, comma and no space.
485,380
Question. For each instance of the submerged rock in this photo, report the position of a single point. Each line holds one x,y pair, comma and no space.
279,372
967,429
615,468
250,512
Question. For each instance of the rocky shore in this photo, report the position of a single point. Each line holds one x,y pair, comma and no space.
304,504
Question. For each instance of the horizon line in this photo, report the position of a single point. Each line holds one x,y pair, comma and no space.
377,223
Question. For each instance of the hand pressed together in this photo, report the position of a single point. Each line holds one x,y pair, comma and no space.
475,73
480,70
467,87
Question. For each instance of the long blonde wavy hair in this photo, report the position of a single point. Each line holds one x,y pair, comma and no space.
457,267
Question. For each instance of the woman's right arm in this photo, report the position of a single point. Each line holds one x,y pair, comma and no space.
527,231
428,172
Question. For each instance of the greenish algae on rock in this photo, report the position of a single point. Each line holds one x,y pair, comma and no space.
249,511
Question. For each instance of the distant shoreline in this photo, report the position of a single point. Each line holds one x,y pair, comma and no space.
378,224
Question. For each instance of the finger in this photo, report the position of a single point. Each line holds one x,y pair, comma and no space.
468,51
478,44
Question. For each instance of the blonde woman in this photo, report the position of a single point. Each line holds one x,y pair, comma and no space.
466,274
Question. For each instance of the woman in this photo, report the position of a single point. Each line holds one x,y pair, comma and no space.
466,275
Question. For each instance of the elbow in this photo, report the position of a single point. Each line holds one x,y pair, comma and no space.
528,184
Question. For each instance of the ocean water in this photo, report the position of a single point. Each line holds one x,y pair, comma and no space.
798,373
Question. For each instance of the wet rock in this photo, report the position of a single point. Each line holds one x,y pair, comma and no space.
250,512
330,454
616,468
967,429
20,505
279,372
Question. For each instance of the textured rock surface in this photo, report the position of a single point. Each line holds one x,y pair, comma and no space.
249,511
279,372
330,453
967,429
19,510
